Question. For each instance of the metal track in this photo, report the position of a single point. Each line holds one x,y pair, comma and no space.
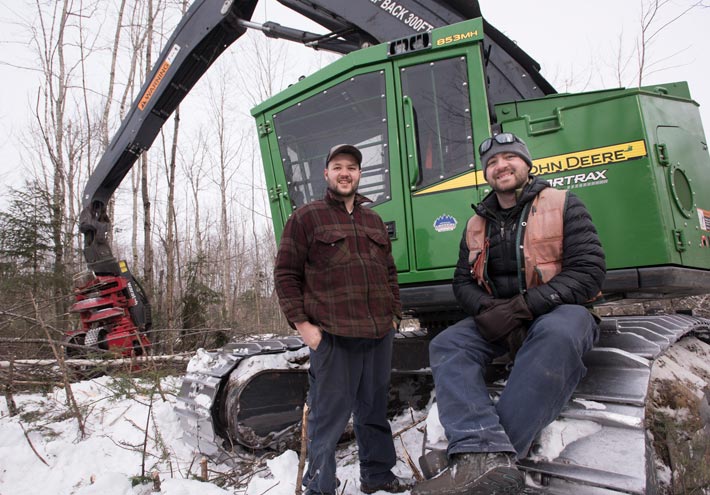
202,401
252,393
615,456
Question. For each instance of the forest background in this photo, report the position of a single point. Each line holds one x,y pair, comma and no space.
192,217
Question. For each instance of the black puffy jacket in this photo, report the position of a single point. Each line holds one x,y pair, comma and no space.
583,265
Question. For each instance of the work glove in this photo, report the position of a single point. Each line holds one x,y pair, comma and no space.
515,340
488,302
502,317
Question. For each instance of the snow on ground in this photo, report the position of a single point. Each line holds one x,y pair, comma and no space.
106,459
43,452
110,453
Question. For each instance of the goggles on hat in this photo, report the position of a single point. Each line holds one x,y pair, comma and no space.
502,138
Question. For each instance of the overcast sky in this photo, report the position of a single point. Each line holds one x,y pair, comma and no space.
568,38
576,43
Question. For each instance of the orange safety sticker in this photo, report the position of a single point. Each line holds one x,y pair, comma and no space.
158,77
704,218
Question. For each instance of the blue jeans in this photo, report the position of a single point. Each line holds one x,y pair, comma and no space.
547,369
349,375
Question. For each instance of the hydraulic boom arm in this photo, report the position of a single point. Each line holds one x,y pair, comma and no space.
209,27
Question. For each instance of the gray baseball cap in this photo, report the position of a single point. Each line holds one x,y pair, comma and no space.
344,148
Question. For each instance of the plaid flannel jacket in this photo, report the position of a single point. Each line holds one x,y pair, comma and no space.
336,269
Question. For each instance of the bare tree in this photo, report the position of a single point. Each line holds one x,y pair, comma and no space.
651,26
112,76
147,225
170,234
226,154
171,247
632,66
266,64
138,41
62,138
194,169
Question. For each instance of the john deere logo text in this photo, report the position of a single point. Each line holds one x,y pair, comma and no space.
589,158
456,37
606,155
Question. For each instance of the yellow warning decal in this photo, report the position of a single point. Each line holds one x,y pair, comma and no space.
122,266
589,158
456,38
553,164
158,77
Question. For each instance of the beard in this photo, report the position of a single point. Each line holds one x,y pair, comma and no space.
333,188
519,182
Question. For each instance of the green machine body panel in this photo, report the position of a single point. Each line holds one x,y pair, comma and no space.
638,158
417,108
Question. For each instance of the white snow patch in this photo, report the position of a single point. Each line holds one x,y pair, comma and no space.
435,434
117,483
280,361
562,432
664,475
279,479
174,486
203,400
204,361
104,462
679,415
590,404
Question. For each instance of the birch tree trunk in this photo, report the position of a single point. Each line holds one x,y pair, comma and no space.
145,193
138,39
226,151
170,247
58,200
50,117
194,169
112,77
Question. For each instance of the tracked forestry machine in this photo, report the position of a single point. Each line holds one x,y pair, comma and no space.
420,85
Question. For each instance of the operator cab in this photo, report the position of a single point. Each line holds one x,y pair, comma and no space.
417,112
414,116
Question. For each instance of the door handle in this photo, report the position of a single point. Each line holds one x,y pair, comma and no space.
410,133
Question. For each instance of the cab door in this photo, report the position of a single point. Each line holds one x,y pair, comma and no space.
352,108
443,109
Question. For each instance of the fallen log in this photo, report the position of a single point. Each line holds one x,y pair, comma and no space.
176,358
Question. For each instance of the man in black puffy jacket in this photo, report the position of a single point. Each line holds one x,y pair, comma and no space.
529,262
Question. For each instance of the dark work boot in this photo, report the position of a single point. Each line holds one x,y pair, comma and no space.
483,473
397,485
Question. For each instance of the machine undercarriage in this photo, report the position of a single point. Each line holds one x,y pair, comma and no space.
251,396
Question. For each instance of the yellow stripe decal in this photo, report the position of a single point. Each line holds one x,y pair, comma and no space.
553,164
589,158
472,178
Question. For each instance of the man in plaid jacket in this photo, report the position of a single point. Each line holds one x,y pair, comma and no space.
337,285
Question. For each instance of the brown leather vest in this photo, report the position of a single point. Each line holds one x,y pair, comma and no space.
542,241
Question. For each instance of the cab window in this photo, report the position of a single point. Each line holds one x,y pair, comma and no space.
352,112
442,114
